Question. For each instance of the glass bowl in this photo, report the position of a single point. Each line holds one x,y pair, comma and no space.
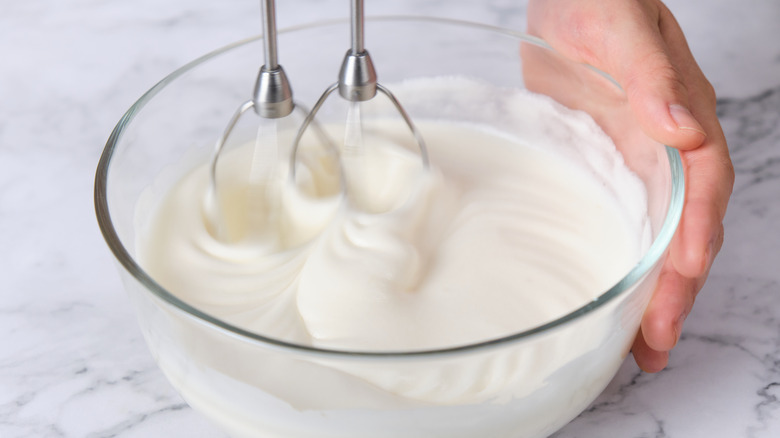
257,386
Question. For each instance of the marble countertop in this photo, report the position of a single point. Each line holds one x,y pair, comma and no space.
72,359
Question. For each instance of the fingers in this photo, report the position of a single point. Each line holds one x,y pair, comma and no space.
709,176
649,360
663,320
671,303
700,232
709,179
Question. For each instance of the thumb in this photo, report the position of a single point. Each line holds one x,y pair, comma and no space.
659,99
641,56
627,40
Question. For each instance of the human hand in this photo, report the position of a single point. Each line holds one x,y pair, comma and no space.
641,45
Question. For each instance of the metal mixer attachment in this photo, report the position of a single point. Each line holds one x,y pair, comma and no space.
272,99
357,82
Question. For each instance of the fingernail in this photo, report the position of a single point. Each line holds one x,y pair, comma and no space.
685,119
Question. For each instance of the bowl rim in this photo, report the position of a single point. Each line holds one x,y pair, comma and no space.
656,250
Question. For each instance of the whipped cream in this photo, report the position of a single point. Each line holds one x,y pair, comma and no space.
495,239
518,222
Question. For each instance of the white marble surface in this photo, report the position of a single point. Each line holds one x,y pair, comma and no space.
72,360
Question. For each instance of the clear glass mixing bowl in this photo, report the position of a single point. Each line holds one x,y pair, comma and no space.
254,386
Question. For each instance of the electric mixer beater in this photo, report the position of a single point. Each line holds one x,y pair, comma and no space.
357,83
272,100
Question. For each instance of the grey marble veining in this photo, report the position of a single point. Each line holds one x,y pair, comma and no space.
72,359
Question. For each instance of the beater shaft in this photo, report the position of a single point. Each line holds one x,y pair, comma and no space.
268,9
357,27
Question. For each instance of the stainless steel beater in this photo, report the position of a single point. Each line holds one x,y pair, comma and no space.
271,99
357,82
